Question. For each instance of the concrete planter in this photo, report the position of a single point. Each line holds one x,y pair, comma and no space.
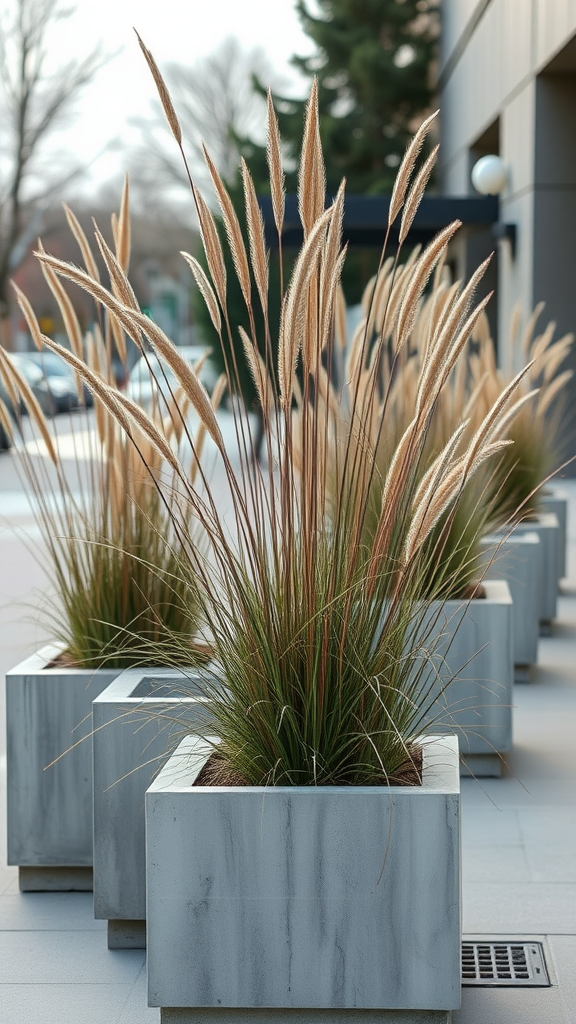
138,721
548,530
475,652
48,709
557,502
517,560
317,904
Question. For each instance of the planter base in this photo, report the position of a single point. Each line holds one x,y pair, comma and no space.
522,674
483,765
126,934
211,1015
54,879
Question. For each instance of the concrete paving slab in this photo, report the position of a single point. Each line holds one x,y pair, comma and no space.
506,907
563,955
65,1004
488,824
82,958
137,1010
48,911
484,863
511,1006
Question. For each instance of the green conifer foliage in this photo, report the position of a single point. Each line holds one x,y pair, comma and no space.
373,63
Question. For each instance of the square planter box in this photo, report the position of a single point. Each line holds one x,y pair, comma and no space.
48,710
307,903
138,721
476,653
557,501
517,560
548,530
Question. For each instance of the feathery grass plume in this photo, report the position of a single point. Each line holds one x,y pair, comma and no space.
415,195
84,245
406,167
259,373
122,239
319,623
20,386
122,593
258,254
212,247
419,280
311,173
163,93
521,472
206,289
274,159
424,383
233,230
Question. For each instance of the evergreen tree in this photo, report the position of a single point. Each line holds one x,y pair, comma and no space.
373,66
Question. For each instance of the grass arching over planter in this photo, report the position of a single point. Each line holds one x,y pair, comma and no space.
319,687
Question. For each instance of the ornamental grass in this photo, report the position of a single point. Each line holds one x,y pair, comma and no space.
120,596
318,624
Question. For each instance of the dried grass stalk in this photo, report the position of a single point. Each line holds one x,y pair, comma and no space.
406,167
30,401
274,158
293,319
419,280
162,92
415,195
77,231
206,290
233,231
258,255
212,247
124,242
311,172
258,373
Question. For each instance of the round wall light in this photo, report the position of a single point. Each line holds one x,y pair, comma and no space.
490,175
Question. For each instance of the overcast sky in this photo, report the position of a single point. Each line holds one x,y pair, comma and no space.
181,30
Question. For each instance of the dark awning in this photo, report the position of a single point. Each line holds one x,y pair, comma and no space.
366,217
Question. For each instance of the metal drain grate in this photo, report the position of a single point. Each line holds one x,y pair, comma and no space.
503,963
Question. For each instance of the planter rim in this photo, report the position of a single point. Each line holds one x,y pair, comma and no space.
441,773
120,689
39,662
525,537
496,592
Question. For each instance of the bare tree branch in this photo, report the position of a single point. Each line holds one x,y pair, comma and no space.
36,102
216,103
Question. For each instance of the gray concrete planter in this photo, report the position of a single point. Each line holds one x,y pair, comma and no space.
138,721
556,501
48,709
317,904
517,560
548,530
475,652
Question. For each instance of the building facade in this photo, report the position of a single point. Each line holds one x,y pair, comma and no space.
508,86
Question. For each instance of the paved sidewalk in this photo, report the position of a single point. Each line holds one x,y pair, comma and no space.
519,853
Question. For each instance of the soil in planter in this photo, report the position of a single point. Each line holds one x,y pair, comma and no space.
63,660
217,772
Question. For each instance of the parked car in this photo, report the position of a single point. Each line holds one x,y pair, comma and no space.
142,384
53,366
54,393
